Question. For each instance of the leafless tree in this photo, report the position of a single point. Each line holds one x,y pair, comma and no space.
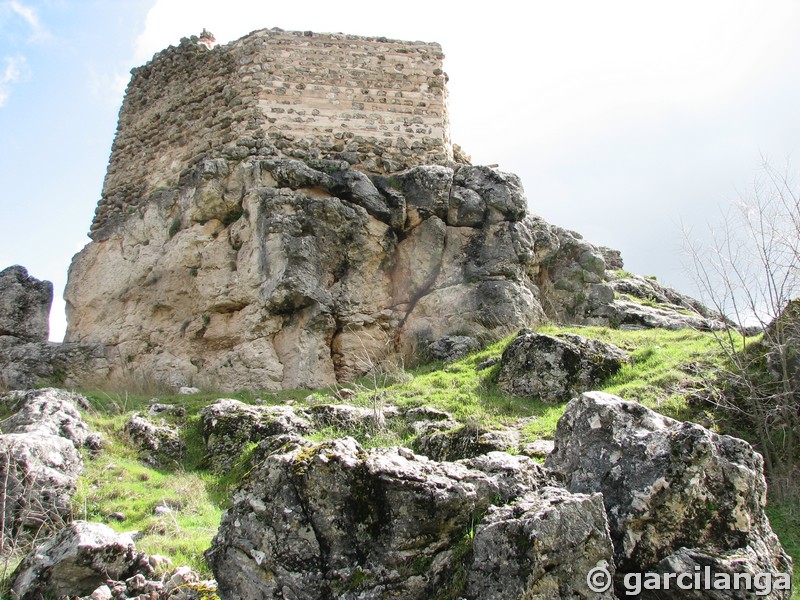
749,270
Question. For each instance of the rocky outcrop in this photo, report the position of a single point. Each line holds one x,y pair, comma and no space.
77,561
91,561
40,460
26,357
45,412
237,248
675,493
465,441
158,445
24,305
452,347
556,368
540,546
29,364
643,303
229,425
271,273
336,521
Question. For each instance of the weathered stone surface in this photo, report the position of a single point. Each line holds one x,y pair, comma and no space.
426,190
573,271
612,257
514,475
540,546
26,357
46,411
39,459
667,485
40,474
425,420
90,561
538,448
630,314
24,305
158,445
555,369
299,284
501,192
465,442
453,347
28,364
742,561
335,520
228,425
650,290
76,562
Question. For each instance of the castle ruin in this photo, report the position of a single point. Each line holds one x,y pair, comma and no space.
379,104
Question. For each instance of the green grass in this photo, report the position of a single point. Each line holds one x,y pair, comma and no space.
785,520
116,481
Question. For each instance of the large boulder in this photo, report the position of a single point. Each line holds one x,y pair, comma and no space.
158,445
40,459
556,368
668,486
39,475
541,546
47,411
229,425
81,558
24,305
338,521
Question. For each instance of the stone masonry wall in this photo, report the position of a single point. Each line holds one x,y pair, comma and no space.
379,104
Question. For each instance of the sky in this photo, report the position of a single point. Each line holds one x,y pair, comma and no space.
627,120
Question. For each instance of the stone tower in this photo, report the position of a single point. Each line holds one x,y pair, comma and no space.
379,104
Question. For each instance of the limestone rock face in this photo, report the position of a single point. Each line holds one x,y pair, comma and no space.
336,521
272,274
24,305
556,368
673,491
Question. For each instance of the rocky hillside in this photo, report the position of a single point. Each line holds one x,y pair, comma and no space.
414,488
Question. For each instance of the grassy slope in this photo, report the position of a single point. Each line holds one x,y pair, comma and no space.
667,370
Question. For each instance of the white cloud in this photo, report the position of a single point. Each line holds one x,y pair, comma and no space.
16,67
108,87
30,16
